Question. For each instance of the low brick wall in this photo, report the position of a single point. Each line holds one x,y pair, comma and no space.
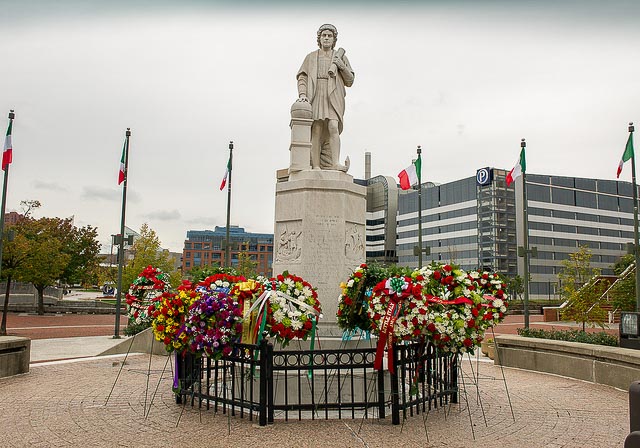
613,366
15,353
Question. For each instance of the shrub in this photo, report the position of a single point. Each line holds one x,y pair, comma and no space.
600,338
134,328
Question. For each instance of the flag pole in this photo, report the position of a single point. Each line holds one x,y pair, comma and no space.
636,249
12,115
525,220
121,236
3,325
227,249
419,151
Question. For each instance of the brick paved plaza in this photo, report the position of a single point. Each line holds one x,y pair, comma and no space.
63,404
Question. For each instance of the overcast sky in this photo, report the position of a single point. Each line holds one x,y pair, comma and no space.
464,79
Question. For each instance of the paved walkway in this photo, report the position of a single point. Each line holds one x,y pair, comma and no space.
63,404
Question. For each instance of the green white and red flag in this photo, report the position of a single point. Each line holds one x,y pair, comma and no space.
519,168
410,175
7,154
627,154
226,174
122,174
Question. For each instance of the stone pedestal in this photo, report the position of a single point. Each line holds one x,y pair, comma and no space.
319,233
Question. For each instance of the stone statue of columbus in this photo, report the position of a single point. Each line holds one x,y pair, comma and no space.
322,79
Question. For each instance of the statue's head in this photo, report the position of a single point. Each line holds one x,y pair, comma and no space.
328,27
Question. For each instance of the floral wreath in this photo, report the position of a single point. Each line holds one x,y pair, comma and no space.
352,303
409,305
213,324
169,314
398,311
455,312
494,300
292,308
151,283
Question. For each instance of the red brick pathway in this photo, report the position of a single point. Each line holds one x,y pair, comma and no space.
62,325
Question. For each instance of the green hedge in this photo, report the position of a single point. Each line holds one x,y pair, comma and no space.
600,338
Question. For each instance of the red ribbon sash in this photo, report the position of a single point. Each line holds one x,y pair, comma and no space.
386,336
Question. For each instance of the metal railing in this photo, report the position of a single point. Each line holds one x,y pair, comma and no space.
260,382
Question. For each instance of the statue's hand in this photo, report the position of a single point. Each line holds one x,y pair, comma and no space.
339,63
303,98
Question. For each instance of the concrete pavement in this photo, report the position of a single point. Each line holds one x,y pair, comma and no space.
62,404
67,348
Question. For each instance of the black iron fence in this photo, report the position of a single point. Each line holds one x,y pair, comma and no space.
260,382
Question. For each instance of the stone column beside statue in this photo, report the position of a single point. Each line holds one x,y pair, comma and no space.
320,213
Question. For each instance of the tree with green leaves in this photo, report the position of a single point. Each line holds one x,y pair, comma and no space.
79,243
623,292
582,289
247,267
198,273
14,254
48,250
147,251
515,287
45,259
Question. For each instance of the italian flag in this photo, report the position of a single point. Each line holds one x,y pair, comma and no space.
518,169
628,153
226,173
410,175
121,175
7,154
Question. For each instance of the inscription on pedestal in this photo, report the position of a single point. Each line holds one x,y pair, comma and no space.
289,246
354,246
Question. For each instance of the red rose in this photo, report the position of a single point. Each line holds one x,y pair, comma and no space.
422,311
475,312
471,323
485,275
363,266
280,278
357,274
448,279
467,342
437,275
347,300
431,327
447,268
